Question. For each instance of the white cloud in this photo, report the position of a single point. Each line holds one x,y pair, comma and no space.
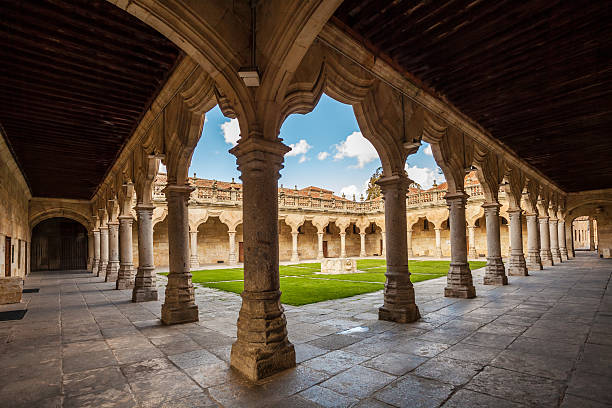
231,131
302,159
301,147
428,151
348,191
356,146
424,176
322,155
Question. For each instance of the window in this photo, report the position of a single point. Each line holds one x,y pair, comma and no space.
300,230
327,229
354,229
425,225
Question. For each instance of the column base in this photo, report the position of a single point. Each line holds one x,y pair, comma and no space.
556,255
295,259
320,256
406,315
439,253
179,314
145,287
564,255
517,265
125,278
95,267
472,253
459,282
546,257
112,271
194,263
362,255
495,272
258,362
144,295
102,269
232,259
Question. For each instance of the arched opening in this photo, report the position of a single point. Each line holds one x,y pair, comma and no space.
584,233
213,242
59,244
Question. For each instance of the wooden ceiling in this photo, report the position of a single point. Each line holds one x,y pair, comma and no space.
535,74
76,77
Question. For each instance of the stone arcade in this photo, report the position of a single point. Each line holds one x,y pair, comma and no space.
96,94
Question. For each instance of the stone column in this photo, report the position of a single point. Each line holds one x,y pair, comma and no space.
233,259
472,240
362,251
179,305
145,286
495,272
294,247
96,262
103,251
517,265
562,240
459,280
112,270
262,347
545,253
320,254
194,262
409,242
438,243
90,251
343,245
125,278
399,302
383,235
591,235
554,240
533,261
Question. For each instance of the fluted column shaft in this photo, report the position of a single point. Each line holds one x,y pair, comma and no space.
179,305
399,301
362,251
145,285
125,277
103,251
294,247
438,242
409,243
533,261
472,240
554,240
96,262
320,245
233,259
194,262
112,269
495,272
262,347
517,265
562,240
459,280
545,253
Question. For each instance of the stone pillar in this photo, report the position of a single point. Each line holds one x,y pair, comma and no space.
90,251
262,347
459,280
438,243
533,261
472,240
103,251
362,251
145,286
320,254
194,263
554,240
517,265
495,273
343,245
294,247
409,242
112,270
125,278
383,235
233,259
179,305
399,302
591,235
96,261
562,240
545,253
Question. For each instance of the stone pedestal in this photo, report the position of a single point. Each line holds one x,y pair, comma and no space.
472,241
399,300
179,305
95,269
294,247
335,266
125,277
516,265
533,261
459,280
262,347
194,262
103,252
145,286
562,240
495,272
554,240
112,269
11,289
545,254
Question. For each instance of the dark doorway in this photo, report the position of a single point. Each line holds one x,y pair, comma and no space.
59,244
7,256
324,249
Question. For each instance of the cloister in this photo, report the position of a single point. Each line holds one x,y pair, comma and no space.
514,100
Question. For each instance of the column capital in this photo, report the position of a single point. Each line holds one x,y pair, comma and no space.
255,152
495,205
393,182
144,207
125,218
514,211
178,190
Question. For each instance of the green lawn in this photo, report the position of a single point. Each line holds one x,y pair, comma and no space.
301,284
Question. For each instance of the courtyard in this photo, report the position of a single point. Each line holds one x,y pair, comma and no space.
543,340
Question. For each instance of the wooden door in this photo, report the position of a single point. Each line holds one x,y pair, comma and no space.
241,252
324,249
7,257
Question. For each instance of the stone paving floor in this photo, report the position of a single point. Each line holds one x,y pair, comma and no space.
544,340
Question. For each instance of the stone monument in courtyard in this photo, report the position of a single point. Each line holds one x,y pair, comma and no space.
335,266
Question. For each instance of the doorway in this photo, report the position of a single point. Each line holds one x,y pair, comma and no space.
7,256
325,249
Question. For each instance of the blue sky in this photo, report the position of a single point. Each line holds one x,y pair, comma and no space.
328,151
